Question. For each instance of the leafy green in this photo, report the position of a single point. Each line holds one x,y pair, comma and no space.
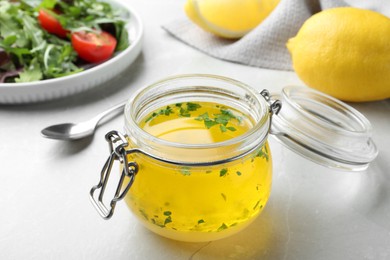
32,73
49,4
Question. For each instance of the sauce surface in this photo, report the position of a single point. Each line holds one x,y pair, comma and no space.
203,122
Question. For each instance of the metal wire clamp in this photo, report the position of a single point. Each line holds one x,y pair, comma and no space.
117,143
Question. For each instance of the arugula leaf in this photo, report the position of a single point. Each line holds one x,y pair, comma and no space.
8,25
9,40
49,4
122,36
31,3
32,73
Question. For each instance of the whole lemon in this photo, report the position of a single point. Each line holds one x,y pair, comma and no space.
229,18
344,52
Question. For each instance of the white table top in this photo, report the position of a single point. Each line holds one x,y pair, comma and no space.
313,212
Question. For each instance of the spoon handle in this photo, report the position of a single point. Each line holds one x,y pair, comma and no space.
112,111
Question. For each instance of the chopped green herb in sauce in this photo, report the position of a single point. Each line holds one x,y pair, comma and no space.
167,111
223,172
222,227
185,171
221,119
200,221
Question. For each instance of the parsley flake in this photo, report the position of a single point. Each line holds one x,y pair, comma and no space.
222,227
167,111
263,154
221,119
223,172
144,214
190,107
168,220
257,204
185,171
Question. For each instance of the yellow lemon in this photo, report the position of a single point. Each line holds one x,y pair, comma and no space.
229,18
344,52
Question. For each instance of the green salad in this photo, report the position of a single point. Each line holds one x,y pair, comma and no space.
54,38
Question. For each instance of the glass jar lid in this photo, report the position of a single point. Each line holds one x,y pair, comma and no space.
323,129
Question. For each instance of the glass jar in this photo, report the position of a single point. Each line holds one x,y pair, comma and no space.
193,190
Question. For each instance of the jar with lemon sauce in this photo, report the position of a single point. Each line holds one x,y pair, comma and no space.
196,165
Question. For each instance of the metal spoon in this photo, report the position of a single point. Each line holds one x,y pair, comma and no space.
71,131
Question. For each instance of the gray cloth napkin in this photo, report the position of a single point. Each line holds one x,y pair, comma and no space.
264,46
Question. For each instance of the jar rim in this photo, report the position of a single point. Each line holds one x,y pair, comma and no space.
261,126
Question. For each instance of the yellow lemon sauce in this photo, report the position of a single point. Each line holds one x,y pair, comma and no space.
199,203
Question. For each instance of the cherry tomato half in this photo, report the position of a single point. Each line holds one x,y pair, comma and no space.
51,24
93,46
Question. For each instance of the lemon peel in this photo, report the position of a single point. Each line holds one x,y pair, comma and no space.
344,52
229,18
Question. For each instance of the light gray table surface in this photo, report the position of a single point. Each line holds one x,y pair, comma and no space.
313,212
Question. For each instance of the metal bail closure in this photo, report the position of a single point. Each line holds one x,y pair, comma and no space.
117,143
323,129
274,106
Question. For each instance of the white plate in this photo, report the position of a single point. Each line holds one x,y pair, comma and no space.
18,93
